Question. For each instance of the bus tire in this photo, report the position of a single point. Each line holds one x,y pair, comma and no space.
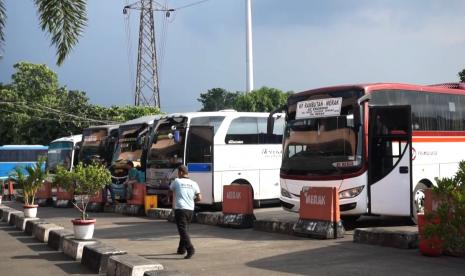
418,200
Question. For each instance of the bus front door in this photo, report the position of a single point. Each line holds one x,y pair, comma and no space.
199,159
389,160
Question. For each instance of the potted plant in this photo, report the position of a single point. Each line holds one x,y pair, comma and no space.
30,183
86,182
447,222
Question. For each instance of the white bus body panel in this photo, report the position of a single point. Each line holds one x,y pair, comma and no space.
204,179
257,164
435,159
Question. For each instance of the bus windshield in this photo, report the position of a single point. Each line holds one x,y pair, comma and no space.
59,154
167,149
130,141
319,143
93,145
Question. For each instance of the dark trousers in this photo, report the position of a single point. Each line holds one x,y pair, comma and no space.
105,193
183,218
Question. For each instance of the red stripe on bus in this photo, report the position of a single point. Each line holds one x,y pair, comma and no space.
438,133
437,139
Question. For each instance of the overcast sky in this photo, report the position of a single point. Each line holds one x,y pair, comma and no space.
298,45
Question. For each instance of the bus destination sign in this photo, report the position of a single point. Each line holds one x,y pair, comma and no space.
319,108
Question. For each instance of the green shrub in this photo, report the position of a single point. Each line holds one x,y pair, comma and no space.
32,182
450,212
85,181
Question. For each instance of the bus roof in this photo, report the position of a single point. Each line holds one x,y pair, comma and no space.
25,147
227,112
74,138
447,88
107,127
142,120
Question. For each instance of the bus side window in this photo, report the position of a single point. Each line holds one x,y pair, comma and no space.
243,130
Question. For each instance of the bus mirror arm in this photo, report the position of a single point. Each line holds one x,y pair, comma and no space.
270,121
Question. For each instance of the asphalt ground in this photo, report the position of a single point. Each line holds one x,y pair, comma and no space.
225,251
21,254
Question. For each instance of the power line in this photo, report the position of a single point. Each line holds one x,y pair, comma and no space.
56,111
190,5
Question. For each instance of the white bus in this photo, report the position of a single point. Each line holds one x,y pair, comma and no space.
219,148
380,144
63,152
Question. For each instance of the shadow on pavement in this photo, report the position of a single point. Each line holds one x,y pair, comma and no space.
347,258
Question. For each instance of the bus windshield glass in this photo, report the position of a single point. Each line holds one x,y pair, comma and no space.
323,134
130,141
167,150
93,145
59,154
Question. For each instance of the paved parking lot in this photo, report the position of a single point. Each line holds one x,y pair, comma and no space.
245,251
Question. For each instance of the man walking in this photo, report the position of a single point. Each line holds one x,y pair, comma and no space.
186,193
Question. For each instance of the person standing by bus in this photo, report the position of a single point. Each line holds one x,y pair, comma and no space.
186,193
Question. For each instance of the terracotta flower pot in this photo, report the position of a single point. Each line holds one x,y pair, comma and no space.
83,229
432,246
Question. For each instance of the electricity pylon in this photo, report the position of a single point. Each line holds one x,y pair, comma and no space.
147,90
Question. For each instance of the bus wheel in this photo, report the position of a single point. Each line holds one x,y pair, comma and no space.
349,220
418,200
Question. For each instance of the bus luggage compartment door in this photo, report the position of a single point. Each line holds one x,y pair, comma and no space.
199,152
389,160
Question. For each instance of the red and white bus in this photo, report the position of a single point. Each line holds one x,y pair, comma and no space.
381,144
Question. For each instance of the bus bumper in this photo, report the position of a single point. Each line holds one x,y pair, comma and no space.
352,206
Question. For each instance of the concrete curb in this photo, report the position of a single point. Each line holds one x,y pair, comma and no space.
274,226
208,218
158,213
96,256
2,209
41,231
387,236
21,222
6,215
95,207
165,273
14,217
62,203
44,202
125,209
55,238
30,224
128,264
74,248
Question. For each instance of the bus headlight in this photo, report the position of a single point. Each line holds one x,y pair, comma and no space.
350,193
285,193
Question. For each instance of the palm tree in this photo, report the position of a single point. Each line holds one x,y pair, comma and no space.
64,20
35,179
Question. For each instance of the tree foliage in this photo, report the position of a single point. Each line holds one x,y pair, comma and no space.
35,109
462,75
64,20
264,99
217,99
84,181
